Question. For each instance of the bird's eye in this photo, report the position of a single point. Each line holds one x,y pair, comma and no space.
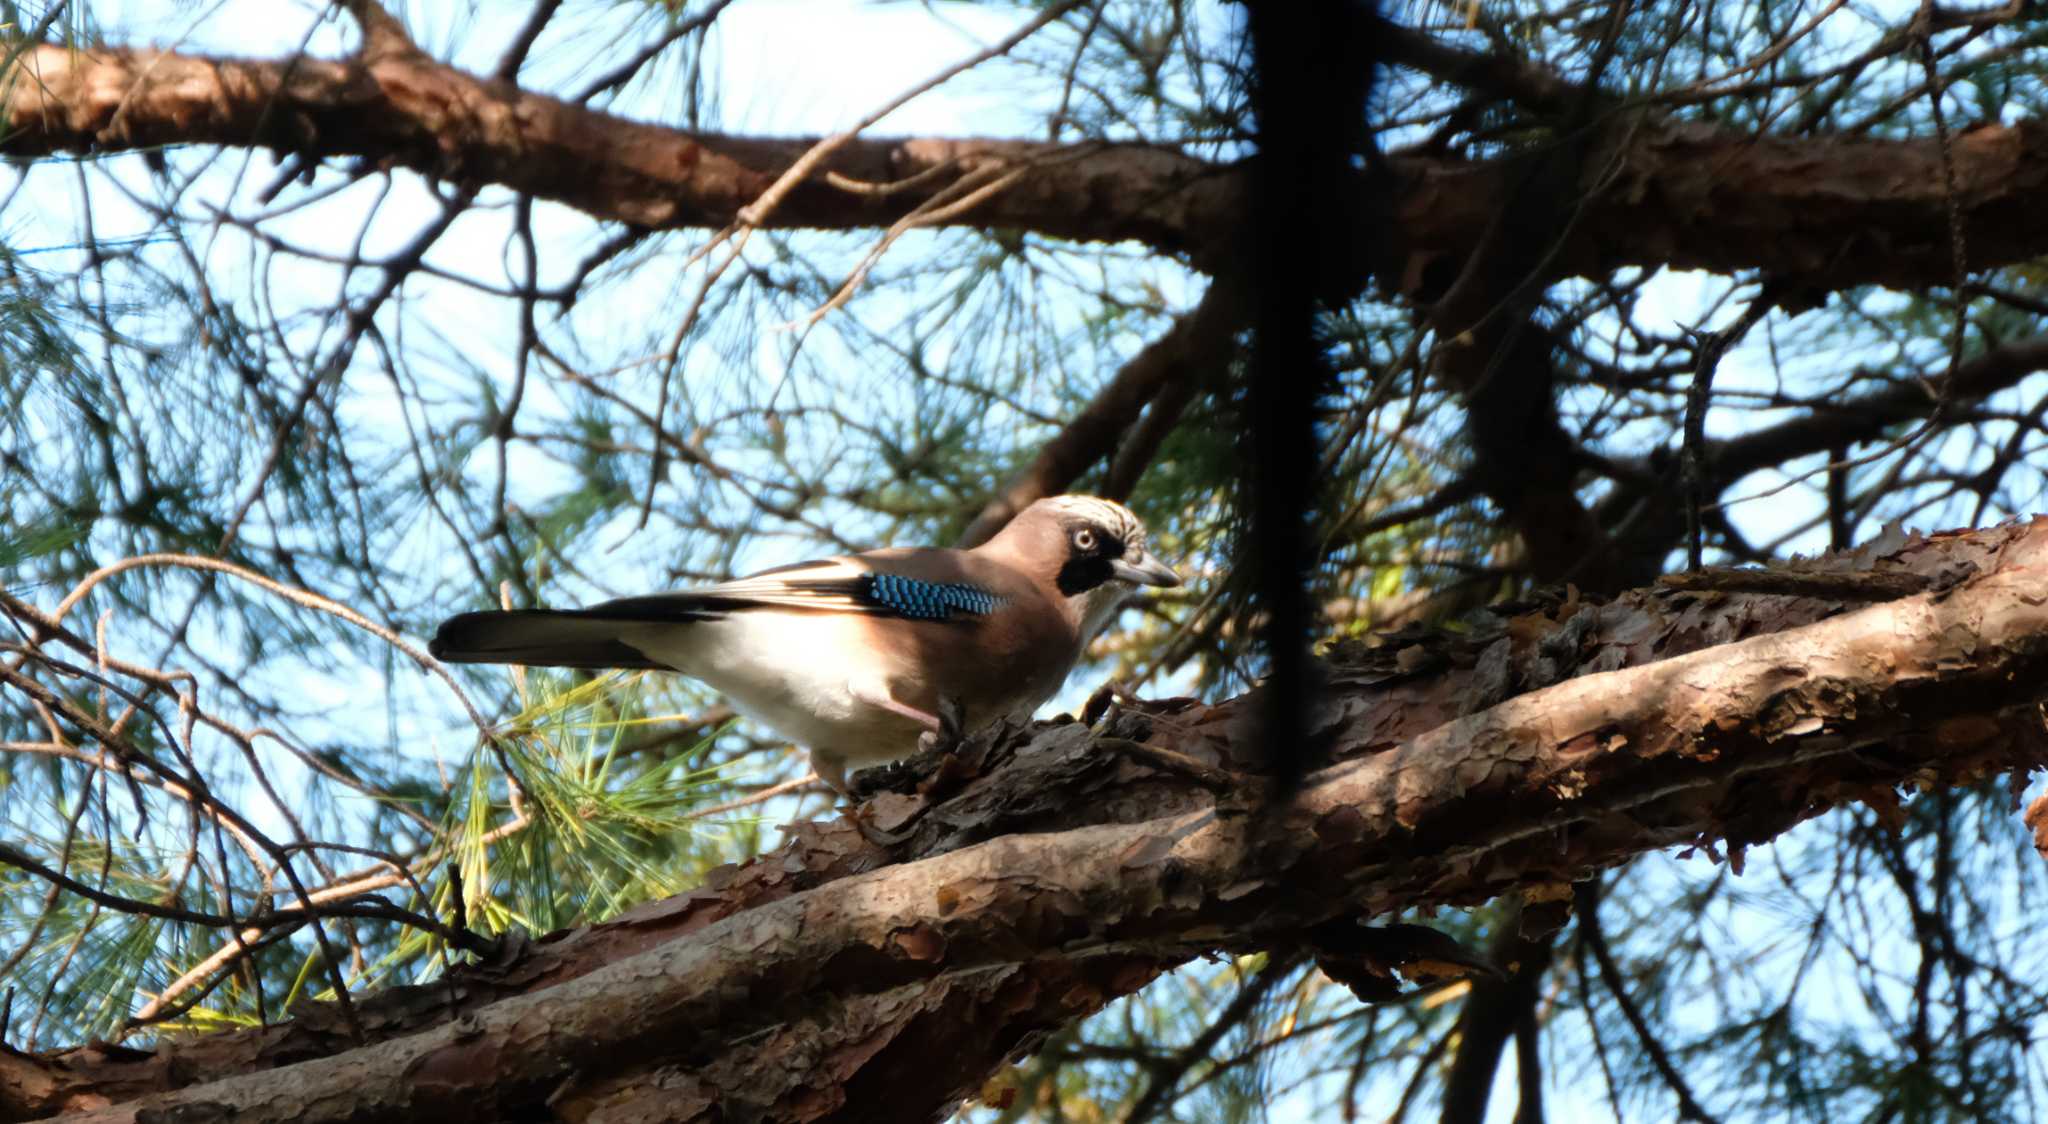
1084,539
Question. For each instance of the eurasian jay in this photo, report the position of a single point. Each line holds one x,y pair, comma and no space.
857,657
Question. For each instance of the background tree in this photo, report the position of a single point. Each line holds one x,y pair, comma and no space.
326,322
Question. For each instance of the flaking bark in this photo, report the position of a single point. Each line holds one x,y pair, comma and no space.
1061,868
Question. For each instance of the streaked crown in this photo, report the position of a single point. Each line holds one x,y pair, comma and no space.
1111,516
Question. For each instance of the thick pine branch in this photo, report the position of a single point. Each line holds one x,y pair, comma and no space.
409,111
1075,865
1656,193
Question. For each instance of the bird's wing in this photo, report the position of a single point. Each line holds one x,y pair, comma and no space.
912,585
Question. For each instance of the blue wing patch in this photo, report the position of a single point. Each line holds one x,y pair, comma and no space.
929,601
875,594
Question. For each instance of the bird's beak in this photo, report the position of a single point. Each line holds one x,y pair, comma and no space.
1147,570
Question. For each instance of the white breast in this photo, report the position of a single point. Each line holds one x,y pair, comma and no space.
791,672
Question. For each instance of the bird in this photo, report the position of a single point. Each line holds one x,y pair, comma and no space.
863,658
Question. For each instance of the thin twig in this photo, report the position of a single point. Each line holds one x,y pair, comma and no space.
1708,349
1588,908
757,212
1925,25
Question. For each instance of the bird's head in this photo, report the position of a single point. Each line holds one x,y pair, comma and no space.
1091,550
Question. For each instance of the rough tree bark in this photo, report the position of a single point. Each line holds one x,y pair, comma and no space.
1042,873
1654,193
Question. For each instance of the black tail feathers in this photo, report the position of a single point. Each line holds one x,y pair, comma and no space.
537,638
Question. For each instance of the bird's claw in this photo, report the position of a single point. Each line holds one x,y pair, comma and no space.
952,728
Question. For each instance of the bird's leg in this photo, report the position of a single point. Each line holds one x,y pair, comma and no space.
878,696
951,728
943,730
831,768
931,722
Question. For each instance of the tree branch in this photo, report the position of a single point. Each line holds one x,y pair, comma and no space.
1589,930
1126,871
409,110
1191,352
383,36
1684,195
1494,1010
1495,74
1832,425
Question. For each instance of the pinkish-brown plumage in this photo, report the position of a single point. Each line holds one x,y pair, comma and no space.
856,657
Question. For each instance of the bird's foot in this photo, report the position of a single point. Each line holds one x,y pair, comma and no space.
952,729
